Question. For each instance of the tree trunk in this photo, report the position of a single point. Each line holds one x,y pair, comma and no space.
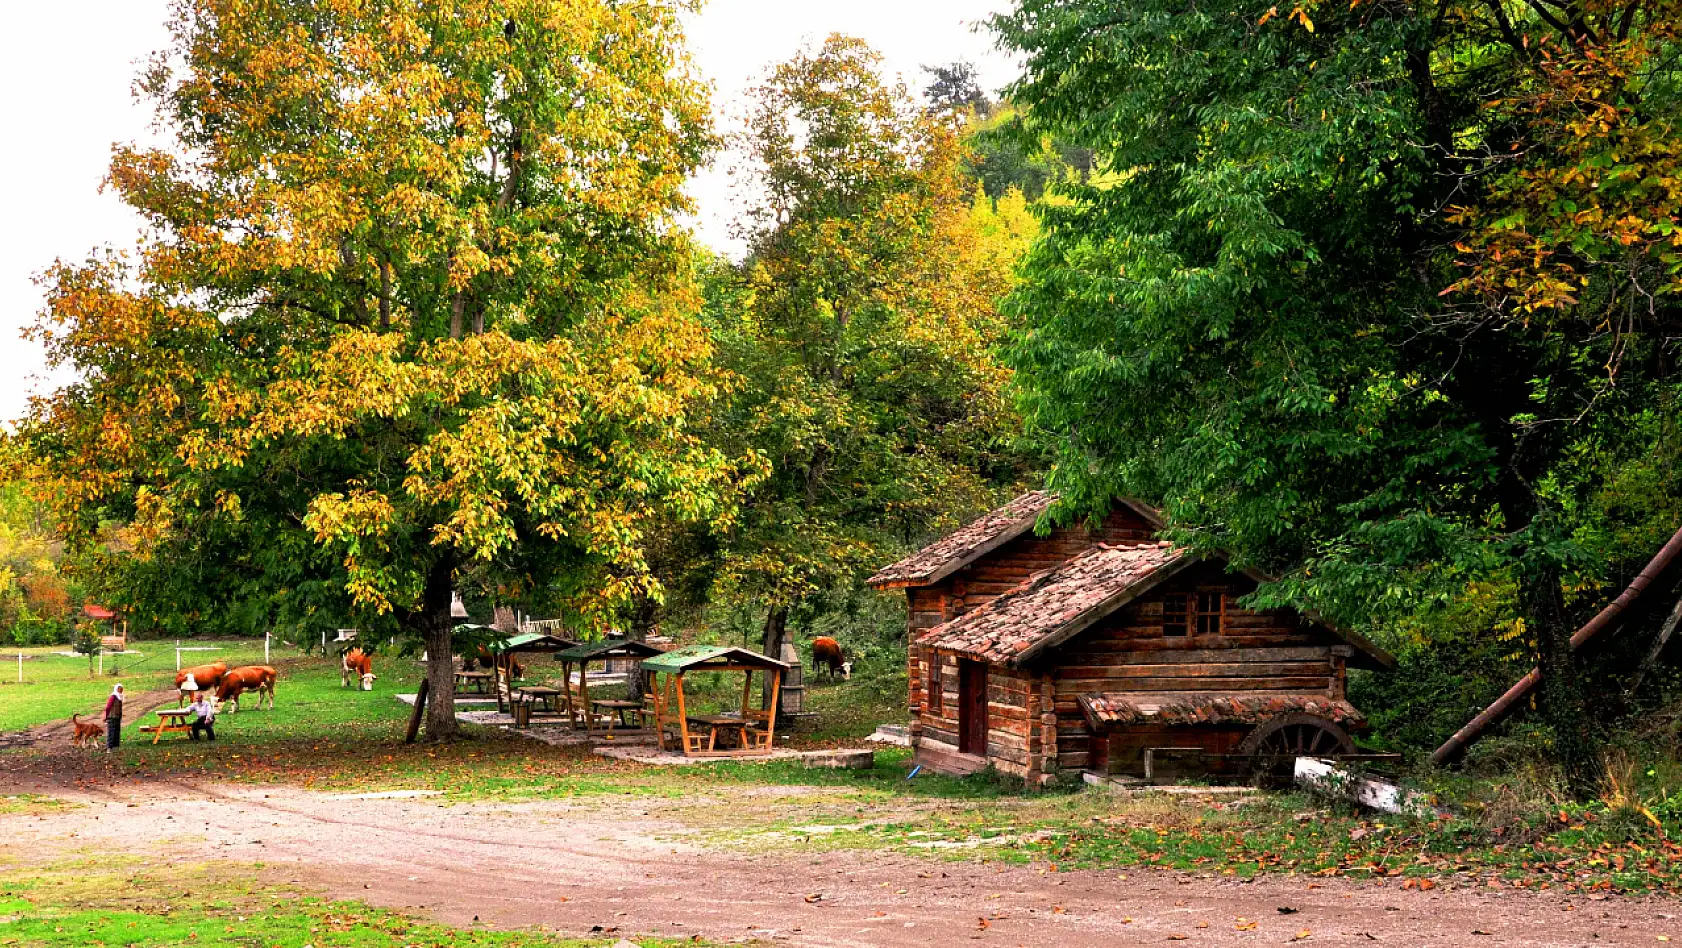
436,627
645,618
776,629
1561,702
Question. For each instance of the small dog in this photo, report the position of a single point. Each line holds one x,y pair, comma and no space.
86,731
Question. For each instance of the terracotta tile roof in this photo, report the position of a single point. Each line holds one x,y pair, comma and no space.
951,553
1054,605
1112,709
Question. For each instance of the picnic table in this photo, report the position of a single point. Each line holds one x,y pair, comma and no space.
480,681
170,720
543,694
720,723
617,708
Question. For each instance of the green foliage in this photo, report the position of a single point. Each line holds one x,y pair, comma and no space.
1254,316
862,331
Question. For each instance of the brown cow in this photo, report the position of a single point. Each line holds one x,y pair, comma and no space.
485,660
827,654
207,677
359,664
258,678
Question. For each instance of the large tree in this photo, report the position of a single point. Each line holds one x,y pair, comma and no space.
1357,287
412,303
864,327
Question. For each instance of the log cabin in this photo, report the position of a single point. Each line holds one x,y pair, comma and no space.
1102,648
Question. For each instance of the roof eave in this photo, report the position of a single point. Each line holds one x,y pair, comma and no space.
1086,619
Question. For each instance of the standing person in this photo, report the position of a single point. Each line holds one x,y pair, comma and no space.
204,715
114,717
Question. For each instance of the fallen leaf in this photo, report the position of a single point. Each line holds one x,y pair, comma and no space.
1288,910
814,897
1302,935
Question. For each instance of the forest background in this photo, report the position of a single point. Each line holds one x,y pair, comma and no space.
1379,299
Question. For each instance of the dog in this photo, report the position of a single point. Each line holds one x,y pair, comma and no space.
86,731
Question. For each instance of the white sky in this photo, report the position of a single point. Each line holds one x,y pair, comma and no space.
70,65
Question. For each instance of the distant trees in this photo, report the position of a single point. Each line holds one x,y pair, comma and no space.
863,330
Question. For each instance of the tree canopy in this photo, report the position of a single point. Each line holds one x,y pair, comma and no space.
1374,295
411,305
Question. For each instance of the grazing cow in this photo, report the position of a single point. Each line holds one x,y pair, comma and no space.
487,661
205,676
358,664
827,655
258,678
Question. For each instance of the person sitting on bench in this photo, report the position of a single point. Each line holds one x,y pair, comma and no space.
204,715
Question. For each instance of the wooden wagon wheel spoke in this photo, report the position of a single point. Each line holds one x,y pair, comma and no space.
1275,744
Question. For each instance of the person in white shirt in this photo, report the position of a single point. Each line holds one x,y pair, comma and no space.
204,715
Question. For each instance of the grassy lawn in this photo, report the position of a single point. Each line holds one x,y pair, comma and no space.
56,685
74,906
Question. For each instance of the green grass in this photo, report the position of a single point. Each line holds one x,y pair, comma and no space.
203,906
55,686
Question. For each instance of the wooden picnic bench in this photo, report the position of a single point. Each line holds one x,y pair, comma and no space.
549,697
170,720
479,681
717,724
626,712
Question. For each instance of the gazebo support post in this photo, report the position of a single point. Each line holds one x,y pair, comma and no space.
584,696
771,720
682,717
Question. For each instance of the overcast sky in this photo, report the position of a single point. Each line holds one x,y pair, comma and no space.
69,66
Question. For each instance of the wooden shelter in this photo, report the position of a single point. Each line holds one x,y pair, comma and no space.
606,650
1106,649
117,641
504,650
755,729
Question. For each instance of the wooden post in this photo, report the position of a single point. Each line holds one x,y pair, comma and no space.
747,689
682,717
771,723
566,686
415,717
584,694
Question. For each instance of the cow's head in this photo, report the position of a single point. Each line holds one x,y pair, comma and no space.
368,681
846,671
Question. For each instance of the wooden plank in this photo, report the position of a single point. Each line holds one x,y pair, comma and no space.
1317,685
1195,656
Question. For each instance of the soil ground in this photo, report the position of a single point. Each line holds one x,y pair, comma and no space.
622,866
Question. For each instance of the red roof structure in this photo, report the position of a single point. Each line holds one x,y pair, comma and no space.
969,543
1109,709
1054,605
97,612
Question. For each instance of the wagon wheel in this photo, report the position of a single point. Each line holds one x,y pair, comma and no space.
1273,747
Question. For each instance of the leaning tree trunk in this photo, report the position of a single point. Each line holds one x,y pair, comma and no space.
776,630
436,627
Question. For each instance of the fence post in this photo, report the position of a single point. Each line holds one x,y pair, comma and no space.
177,654
20,668
265,648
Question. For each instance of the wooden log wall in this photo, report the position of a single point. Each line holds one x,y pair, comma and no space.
1129,652
1013,722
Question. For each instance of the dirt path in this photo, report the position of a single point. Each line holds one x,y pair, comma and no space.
618,866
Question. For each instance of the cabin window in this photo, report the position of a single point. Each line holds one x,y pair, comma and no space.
931,698
1176,613
1211,608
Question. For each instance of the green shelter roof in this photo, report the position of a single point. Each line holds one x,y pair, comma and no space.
532,642
702,657
606,648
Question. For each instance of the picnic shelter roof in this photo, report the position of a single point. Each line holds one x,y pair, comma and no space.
607,648
97,612
532,642
710,657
